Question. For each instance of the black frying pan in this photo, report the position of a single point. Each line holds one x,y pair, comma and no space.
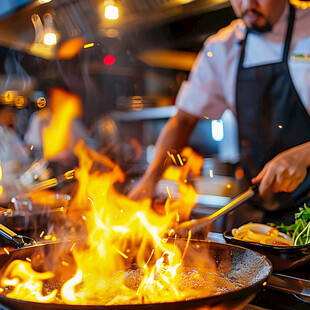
249,268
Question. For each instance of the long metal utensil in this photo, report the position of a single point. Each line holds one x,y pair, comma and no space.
47,184
289,284
19,240
197,225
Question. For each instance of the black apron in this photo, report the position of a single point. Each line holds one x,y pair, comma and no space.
271,117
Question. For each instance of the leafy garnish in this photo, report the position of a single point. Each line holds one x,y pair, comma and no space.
300,230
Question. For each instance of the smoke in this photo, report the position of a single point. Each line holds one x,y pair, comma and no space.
16,76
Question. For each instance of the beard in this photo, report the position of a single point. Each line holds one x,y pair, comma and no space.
253,25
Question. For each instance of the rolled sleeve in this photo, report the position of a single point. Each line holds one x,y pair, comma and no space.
204,94
200,100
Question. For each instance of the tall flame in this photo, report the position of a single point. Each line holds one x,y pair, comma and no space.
120,232
118,228
126,257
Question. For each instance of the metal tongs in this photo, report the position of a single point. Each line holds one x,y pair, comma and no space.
194,226
47,184
19,240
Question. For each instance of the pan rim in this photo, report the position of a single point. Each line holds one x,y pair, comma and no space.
210,300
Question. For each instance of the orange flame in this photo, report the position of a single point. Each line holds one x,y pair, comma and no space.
65,107
26,281
187,200
120,232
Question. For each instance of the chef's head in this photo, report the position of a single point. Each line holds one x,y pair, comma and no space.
259,15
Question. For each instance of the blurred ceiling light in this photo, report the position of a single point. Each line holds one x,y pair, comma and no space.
88,45
71,48
50,38
46,36
50,35
184,1
41,102
217,130
10,95
111,11
44,1
162,58
301,4
20,102
109,60
38,28
112,33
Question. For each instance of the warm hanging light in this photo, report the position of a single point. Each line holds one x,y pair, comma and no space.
50,35
111,10
44,1
50,38
88,45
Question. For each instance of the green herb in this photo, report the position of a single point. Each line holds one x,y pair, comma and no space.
300,230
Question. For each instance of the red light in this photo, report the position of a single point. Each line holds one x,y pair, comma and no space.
109,60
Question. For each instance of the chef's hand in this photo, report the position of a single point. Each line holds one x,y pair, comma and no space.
174,136
144,189
285,172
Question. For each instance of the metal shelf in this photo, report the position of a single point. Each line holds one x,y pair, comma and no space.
144,114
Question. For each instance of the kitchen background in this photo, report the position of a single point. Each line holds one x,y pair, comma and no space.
127,69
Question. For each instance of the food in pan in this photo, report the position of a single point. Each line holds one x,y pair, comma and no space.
261,233
272,234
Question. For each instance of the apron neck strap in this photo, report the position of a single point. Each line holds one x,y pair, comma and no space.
289,33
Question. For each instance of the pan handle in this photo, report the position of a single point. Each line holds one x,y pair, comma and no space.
19,240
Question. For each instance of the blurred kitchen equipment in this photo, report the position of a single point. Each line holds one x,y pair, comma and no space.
290,284
30,212
136,103
27,182
58,181
36,169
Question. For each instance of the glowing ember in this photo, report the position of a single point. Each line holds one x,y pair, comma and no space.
6,251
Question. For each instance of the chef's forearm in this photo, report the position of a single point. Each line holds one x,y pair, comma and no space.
306,152
173,137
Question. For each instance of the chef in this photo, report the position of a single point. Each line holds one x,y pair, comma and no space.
14,156
259,68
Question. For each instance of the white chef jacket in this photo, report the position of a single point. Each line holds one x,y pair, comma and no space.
211,87
14,160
